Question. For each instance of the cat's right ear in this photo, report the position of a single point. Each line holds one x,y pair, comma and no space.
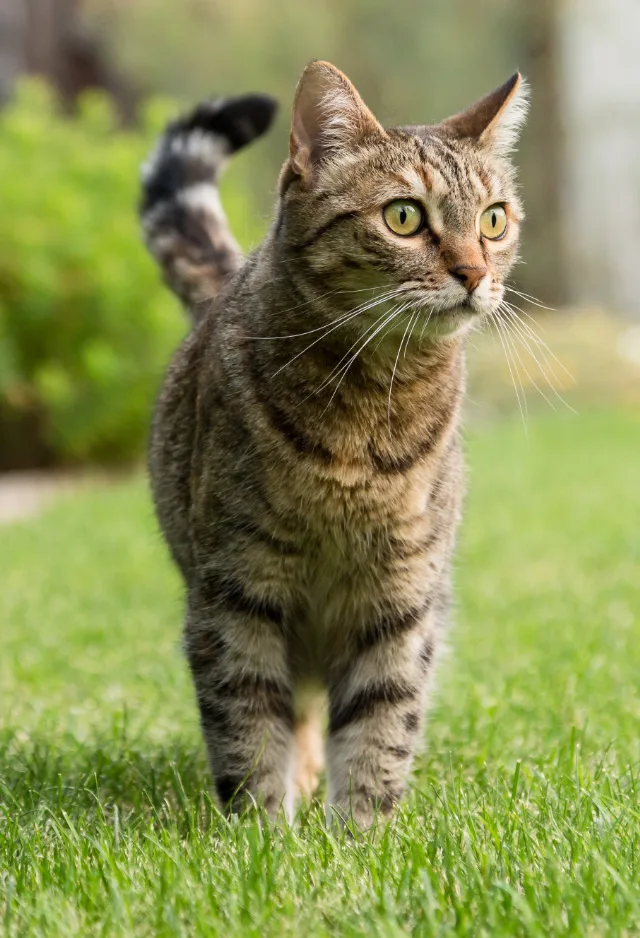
496,120
328,115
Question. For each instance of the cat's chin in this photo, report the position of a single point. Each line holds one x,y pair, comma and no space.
451,323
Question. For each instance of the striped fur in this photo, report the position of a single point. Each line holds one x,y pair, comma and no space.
183,221
305,454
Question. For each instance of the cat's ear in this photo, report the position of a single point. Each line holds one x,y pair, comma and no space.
328,115
495,121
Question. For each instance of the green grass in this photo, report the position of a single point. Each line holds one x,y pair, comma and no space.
524,817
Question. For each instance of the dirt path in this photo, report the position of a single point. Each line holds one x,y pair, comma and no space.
24,494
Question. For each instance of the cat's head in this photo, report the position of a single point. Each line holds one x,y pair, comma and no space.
429,213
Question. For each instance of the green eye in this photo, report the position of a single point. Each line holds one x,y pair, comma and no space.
403,217
493,222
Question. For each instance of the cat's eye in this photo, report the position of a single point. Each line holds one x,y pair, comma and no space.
403,217
493,222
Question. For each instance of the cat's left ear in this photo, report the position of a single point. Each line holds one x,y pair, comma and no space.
496,120
328,116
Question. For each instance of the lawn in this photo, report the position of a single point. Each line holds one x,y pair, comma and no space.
524,814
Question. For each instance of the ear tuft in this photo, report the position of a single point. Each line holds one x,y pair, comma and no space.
328,115
496,120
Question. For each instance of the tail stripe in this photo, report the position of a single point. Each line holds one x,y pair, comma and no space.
184,224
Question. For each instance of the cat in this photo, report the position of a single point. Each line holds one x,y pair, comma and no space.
305,454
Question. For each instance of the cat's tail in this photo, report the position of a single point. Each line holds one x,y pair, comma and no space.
184,225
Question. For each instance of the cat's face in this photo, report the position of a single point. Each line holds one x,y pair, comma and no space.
427,217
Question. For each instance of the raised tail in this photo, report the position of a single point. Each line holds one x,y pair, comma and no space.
184,225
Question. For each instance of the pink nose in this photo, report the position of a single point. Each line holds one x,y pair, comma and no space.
469,277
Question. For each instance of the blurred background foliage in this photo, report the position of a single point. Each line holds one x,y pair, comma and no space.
86,327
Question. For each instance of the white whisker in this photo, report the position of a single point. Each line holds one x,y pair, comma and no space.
387,316
495,320
510,331
516,362
514,324
417,317
536,338
390,318
389,294
393,374
530,299
387,331
371,305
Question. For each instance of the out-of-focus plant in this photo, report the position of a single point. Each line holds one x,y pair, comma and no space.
86,326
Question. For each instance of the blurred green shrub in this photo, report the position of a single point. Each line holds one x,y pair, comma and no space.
86,326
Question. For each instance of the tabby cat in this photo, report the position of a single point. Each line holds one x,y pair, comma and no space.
305,454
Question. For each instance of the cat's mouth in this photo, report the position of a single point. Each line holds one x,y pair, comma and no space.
455,319
447,306
468,308
426,314
467,305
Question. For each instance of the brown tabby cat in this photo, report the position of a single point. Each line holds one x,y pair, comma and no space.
305,454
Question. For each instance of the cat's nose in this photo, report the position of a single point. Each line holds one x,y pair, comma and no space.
469,276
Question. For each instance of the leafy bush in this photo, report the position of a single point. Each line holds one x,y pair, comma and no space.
86,326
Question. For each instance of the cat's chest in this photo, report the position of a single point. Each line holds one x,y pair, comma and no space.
366,548
353,536
351,576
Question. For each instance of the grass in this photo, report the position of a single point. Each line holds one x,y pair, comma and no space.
524,816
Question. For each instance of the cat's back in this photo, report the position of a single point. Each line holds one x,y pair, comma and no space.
172,441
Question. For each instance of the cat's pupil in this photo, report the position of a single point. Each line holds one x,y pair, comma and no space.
403,216
493,219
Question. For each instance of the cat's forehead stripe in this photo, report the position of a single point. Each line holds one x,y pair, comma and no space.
440,161
452,172
427,176
439,185
412,179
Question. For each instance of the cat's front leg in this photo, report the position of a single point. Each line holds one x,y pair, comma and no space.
237,653
377,699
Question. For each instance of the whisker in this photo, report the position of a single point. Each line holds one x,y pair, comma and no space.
387,316
393,316
425,324
386,333
413,327
495,320
530,299
389,294
514,325
434,309
543,372
393,374
516,337
517,363
537,338
353,315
